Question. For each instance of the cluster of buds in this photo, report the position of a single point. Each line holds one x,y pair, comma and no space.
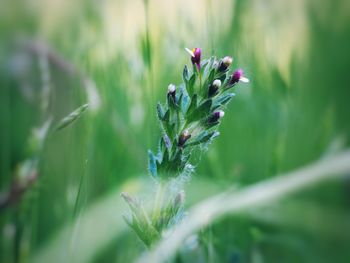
189,119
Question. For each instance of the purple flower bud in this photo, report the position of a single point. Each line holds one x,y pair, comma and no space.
237,76
216,116
196,59
195,56
183,138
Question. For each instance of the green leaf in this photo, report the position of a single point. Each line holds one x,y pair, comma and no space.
221,77
203,137
193,104
179,101
201,111
164,144
165,156
152,165
211,76
208,68
223,100
160,111
211,125
73,116
185,100
191,83
207,83
169,129
166,125
166,117
176,161
185,76
204,65
171,103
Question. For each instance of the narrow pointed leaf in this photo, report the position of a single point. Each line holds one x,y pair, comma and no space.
193,104
191,83
201,111
185,74
160,111
152,165
73,116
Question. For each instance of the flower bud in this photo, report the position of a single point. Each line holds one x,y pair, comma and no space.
171,88
183,138
224,63
217,83
195,56
172,91
216,116
237,76
213,88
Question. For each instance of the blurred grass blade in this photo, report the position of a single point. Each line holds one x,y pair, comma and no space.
268,191
73,116
78,241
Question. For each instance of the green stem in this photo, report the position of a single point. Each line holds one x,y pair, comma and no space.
200,79
158,201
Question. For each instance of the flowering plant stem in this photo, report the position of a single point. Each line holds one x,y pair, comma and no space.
158,200
189,122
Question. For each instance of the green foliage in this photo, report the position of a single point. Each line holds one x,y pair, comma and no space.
186,118
295,111
187,122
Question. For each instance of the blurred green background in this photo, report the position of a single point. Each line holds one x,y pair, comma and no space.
120,56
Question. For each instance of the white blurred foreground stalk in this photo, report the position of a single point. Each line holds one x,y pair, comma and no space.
262,193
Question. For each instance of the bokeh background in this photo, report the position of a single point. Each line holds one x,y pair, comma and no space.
119,56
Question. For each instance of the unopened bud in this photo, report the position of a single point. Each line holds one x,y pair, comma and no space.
183,138
195,56
216,116
224,64
217,83
213,88
171,88
172,91
237,76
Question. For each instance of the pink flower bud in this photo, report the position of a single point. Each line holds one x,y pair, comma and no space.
237,76
195,56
